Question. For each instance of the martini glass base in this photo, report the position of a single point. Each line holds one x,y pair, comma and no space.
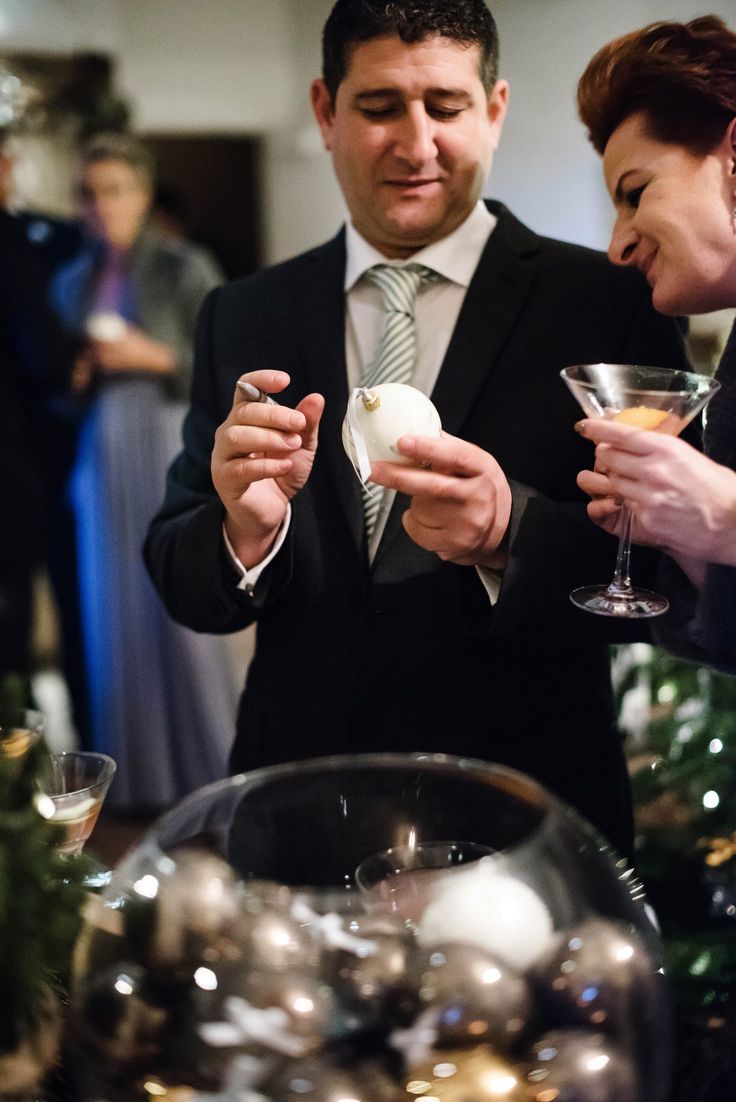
632,604
98,876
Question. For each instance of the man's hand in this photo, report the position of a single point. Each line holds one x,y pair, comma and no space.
262,458
460,499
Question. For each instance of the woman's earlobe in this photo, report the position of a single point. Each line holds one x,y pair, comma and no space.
732,139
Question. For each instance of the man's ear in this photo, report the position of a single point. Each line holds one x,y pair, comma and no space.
498,103
324,110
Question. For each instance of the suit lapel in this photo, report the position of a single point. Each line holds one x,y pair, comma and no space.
320,295
496,294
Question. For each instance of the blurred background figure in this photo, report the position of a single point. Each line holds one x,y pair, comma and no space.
35,357
161,699
44,242
169,212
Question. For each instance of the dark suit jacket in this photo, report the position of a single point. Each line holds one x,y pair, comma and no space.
702,627
407,654
35,364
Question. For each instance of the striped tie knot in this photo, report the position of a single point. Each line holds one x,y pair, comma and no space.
393,361
400,286
394,358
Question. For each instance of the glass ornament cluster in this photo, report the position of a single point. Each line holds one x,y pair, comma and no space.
377,928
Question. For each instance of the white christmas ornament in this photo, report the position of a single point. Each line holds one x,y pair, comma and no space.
481,906
377,416
106,326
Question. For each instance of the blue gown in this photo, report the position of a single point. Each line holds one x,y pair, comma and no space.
162,698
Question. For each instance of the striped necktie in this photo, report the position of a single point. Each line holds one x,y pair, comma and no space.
393,361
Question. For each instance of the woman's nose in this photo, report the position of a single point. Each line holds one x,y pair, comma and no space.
622,246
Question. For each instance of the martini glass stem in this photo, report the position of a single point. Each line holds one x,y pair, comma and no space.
621,584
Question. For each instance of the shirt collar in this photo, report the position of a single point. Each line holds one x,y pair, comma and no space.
455,257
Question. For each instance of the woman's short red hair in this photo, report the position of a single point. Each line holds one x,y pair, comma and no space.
682,76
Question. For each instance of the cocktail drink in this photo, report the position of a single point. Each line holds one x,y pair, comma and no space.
20,730
651,398
73,793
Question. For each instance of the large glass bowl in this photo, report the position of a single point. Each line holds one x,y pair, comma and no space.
376,928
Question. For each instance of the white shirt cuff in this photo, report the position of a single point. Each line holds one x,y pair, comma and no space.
248,578
491,580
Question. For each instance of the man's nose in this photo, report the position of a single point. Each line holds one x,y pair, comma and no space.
622,246
416,141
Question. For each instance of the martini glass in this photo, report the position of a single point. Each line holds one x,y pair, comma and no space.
653,398
74,790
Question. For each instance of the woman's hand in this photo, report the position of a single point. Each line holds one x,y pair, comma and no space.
133,352
680,500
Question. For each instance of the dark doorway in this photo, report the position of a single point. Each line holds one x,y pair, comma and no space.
209,185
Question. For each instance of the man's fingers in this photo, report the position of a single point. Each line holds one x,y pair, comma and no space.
269,381
241,440
438,468
430,537
270,416
239,473
311,408
414,481
445,454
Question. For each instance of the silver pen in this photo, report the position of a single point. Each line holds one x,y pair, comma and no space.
253,393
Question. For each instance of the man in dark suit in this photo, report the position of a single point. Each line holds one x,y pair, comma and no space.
450,629
35,363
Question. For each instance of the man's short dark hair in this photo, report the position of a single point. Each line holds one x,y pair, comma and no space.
352,22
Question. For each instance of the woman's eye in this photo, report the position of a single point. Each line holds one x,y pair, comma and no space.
632,197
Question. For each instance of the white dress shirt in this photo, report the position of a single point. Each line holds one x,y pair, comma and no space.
436,311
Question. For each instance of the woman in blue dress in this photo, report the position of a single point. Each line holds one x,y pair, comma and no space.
162,699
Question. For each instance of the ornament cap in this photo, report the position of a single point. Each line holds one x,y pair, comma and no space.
370,398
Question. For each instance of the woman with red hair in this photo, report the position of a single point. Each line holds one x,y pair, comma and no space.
660,107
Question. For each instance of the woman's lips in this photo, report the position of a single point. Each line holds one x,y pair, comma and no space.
645,267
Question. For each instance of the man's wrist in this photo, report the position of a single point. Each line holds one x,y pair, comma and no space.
250,548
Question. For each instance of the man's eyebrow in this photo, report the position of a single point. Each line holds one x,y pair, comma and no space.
458,94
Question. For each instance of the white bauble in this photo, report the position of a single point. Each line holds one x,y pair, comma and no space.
106,326
377,416
490,909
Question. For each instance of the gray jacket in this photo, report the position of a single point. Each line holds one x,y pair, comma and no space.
170,281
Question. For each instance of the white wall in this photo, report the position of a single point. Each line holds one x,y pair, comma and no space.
200,65
244,66
60,26
546,169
